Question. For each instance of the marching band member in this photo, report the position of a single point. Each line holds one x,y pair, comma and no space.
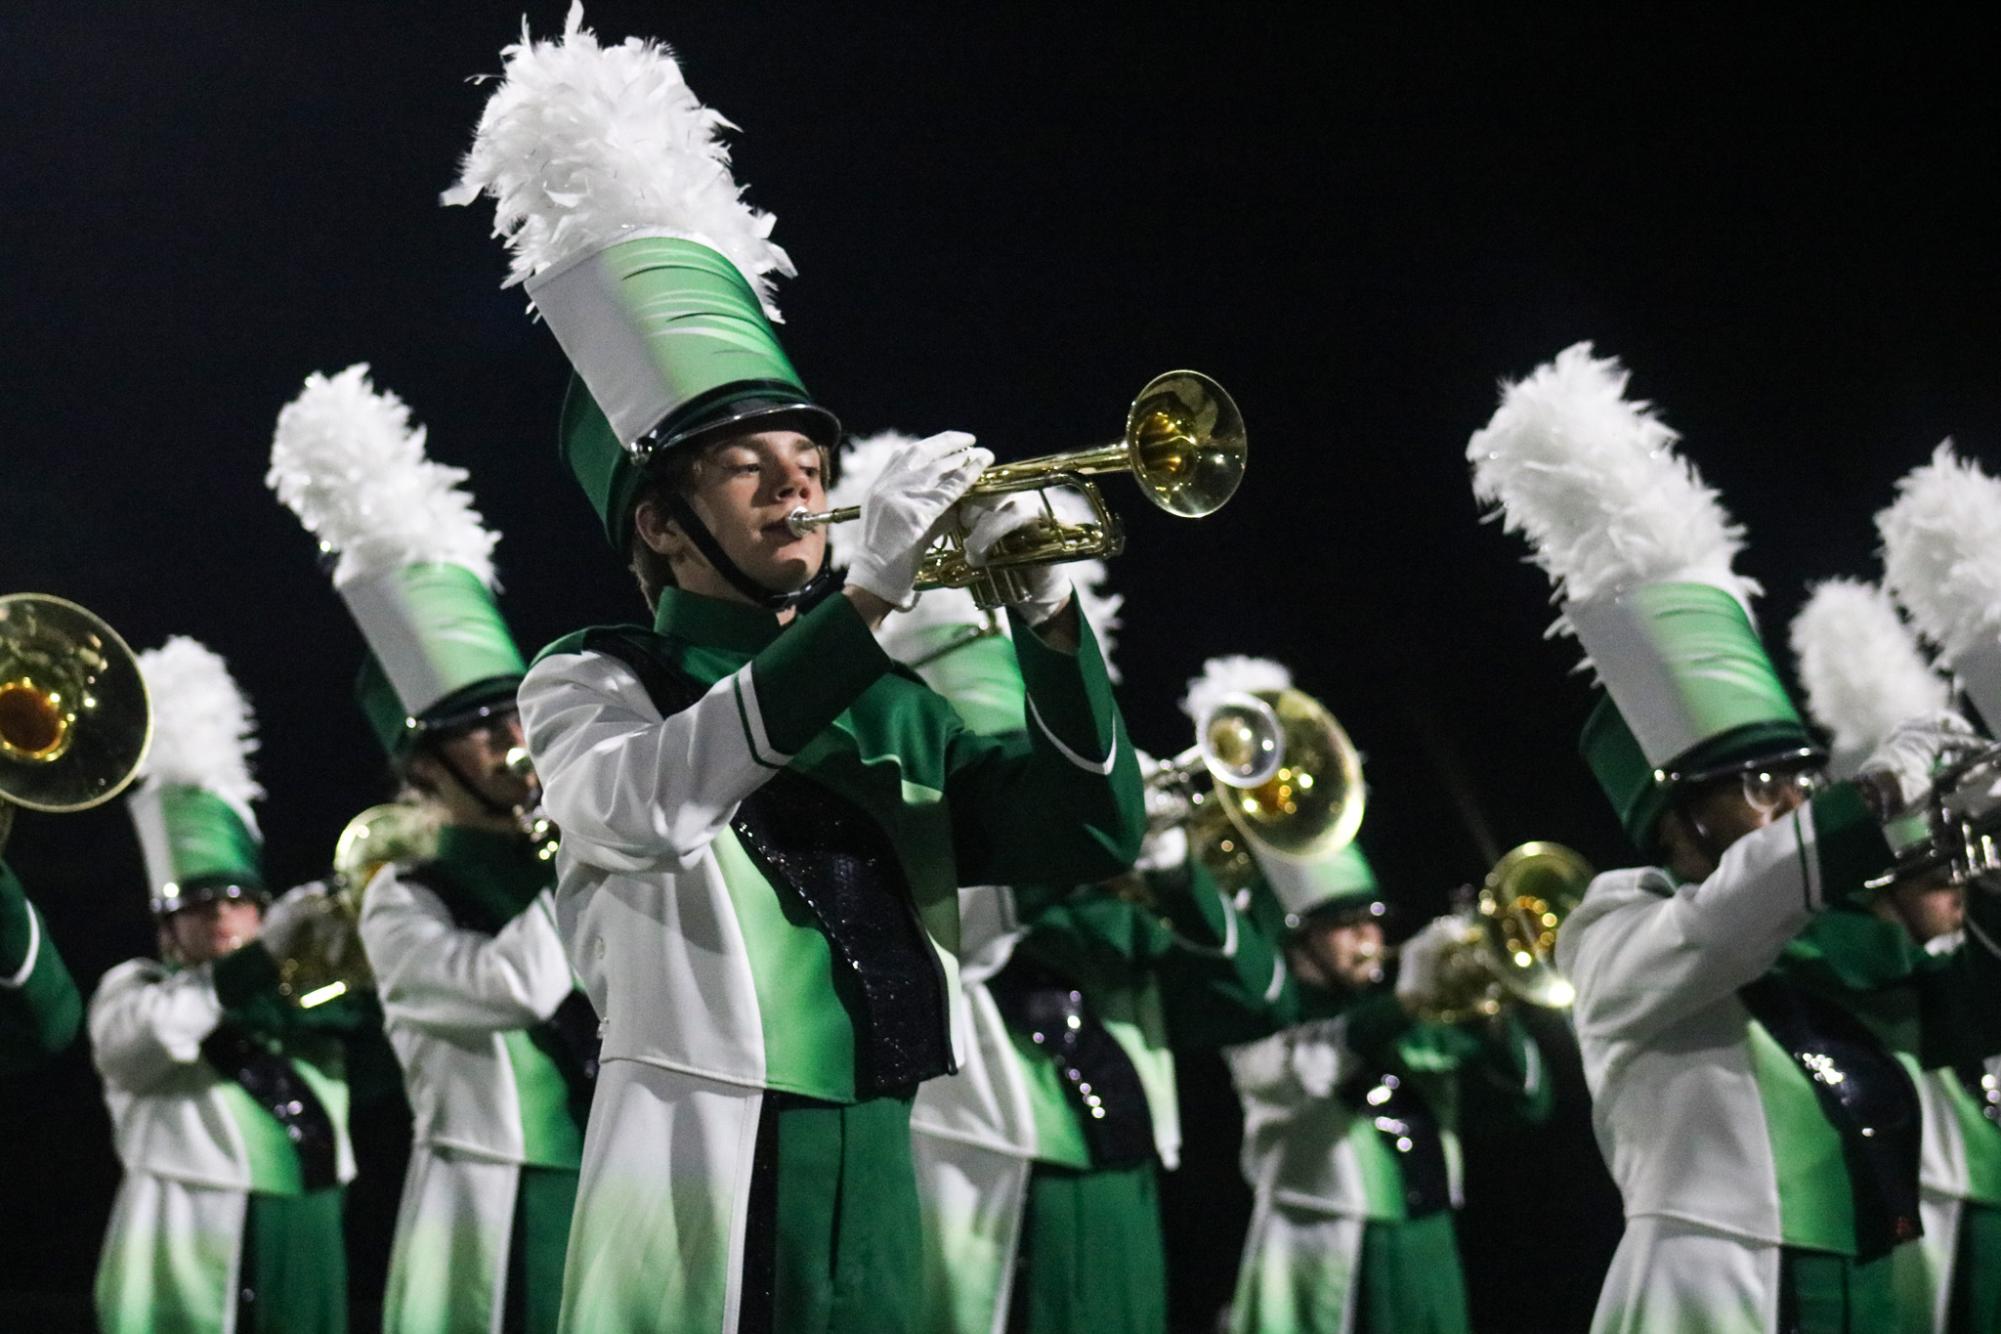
1037,1162
39,1005
1351,1117
1941,563
1737,1030
228,1107
497,1045
764,821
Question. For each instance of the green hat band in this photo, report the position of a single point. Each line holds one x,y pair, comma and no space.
1684,666
435,630
980,677
669,340
193,839
1302,887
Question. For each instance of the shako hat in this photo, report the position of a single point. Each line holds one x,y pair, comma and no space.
409,556
191,805
613,192
1640,554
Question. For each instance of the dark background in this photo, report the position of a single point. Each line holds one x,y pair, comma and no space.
1006,223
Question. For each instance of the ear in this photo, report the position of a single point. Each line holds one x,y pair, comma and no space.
661,534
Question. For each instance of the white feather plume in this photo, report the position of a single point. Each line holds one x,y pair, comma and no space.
1942,551
1592,480
581,142
864,461
204,732
346,459
1231,675
1861,666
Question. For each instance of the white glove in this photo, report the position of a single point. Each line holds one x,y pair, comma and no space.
1910,754
290,921
1163,849
987,519
1420,958
1315,1052
905,509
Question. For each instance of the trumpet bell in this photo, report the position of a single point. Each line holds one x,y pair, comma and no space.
1524,902
75,719
1186,444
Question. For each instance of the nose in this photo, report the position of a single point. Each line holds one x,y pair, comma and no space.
792,481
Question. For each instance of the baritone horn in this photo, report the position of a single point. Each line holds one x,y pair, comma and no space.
326,961
1184,444
1507,953
75,719
1271,770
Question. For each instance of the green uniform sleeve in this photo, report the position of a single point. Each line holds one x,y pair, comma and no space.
1508,1065
39,1005
816,669
1850,846
1221,980
1060,801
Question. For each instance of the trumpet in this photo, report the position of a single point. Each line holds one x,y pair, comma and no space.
75,719
1506,953
325,960
1957,840
530,816
1271,770
1184,444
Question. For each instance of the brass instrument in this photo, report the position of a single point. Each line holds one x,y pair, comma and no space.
1957,841
1271,770
533,820
75,719
1184,444
1507,954
325,959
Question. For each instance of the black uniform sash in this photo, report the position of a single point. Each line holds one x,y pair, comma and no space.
1865,1094
1404,1120
1098,1078
236,1053
837,864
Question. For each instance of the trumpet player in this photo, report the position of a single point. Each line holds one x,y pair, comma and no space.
1350,1115
1037,1162
1736,1011
764,821
497,1046
228,1106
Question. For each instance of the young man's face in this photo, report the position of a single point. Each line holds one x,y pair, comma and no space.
1928,906
744,490
203,932
475,766
1339,955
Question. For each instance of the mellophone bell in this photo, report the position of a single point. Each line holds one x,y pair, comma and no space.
75,722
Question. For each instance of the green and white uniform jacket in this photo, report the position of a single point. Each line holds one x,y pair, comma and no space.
1323,1153
485,1098
39,1005
711,986
194,1144
1192,972
1712,1131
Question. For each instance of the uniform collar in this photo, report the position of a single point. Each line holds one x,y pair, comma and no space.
713,622
490,856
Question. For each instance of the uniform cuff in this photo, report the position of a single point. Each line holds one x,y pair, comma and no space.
808,676
245,975
1849,847
1069,695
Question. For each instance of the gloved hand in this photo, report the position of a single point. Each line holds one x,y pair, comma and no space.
293,921
905,509
1909,756
1420,960
987,519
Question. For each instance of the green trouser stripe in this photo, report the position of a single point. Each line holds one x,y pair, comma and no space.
273,1162
849,1236
543,1203
550,1136
294,1268
1833,1294
1091,1253
1976,1272
1410,1282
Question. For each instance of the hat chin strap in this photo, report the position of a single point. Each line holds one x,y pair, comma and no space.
705,542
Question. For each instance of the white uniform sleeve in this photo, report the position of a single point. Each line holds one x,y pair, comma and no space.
146,1022
433,974
1644,954
630,790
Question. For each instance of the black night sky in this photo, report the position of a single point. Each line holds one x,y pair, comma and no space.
1005,223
